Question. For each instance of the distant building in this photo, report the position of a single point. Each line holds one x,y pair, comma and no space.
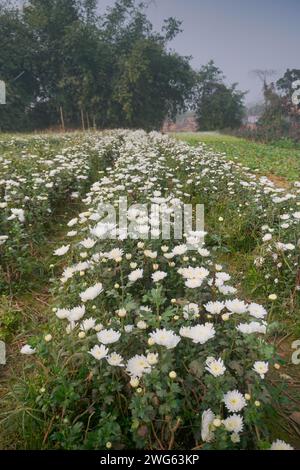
185,122
251,121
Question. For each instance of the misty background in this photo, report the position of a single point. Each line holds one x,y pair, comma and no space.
239,35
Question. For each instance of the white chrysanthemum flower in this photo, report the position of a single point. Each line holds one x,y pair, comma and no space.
99,352
17,214
198,333
214,308
179,250
158,276
203,252
257,310
280,445
193,283
67,274
72,222
234,423
236,306
27,350
115,254
62,313
72,233
108,336
261,368
88,324
121,312
252,327
284,246
190,309
142,325
165,338
135,275
92,292
150,254
227,290
221,278
199,273
70,327
3,239
152,358
76,313
62,250
234,401
207,419
296,215
235,438
267,237
128,328
88,243
115,359
215,367
102,230
137,366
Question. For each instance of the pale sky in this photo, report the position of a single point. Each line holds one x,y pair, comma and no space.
239,35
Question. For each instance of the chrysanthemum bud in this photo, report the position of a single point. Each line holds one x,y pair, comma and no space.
134,383
272,297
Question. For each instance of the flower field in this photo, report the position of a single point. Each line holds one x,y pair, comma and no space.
145,342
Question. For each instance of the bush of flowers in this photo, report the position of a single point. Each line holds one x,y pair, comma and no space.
266,221
148,344
37,176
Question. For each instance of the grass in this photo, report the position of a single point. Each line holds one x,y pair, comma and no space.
271,160
24,315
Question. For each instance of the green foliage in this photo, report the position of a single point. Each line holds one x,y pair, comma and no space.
280,119
281,158
112,71
9,320
217,105
16,69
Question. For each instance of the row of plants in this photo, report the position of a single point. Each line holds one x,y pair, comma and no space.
148,343
38,177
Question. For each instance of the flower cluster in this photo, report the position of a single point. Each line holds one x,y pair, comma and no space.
34,181
146,331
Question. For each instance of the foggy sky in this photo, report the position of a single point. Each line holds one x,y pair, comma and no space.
239,35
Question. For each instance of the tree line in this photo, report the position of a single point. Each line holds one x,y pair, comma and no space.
279,113
64,65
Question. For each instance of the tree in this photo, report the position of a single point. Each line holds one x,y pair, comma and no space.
279,110
110,71
149,82
16,70
285,83
286,89
273,110
49,21
217,105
